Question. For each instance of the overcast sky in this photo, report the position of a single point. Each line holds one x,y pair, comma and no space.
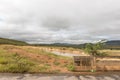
60,21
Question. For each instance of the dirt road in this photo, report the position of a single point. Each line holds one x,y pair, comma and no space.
57,77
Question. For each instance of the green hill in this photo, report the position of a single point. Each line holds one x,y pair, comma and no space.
11,41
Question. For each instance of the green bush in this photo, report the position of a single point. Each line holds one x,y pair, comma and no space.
20,67
71,67
3,68
3,60
14,63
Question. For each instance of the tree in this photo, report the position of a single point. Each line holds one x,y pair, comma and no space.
93,49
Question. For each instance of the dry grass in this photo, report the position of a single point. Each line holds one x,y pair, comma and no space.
31,59
112,52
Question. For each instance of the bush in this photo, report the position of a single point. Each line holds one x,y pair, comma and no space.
15,64
20,67
71,67
3,60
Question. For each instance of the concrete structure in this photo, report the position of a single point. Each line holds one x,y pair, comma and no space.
87,63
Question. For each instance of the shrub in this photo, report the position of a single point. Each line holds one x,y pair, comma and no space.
3,60
20,67
71,67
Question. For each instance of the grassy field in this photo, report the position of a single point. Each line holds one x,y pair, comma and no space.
112,52
31,59
19,59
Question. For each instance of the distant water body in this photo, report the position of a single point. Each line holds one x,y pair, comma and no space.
65,54
4,76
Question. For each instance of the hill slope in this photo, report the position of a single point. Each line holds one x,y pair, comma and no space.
19,59
11,41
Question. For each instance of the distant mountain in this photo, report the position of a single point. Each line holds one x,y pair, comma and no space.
11,41
113,43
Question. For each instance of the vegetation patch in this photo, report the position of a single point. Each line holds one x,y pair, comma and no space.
12,62
12,42
21,59
71,67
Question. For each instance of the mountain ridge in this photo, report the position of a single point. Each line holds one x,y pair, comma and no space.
109,43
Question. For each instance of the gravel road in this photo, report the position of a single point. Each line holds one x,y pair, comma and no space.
58,77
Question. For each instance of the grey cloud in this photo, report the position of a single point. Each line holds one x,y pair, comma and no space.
56,23
49,21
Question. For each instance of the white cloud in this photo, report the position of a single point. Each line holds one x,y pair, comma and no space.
49,21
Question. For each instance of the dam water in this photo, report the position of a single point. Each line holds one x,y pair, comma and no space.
7,76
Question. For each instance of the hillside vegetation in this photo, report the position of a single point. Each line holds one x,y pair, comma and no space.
12,42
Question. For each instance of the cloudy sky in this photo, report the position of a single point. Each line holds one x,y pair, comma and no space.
60,21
